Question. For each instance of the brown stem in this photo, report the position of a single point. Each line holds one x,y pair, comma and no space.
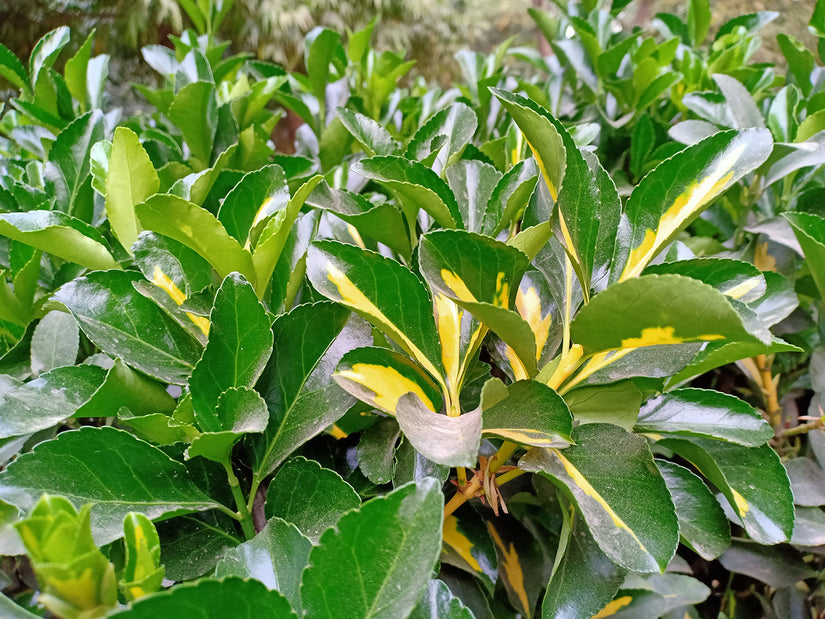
772,407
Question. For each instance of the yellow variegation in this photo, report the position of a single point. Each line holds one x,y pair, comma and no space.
164,282
510,569
386,384
459,542
682,210
613,607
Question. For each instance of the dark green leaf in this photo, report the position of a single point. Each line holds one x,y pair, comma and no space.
195,112
375,139
530,414
160,257
764,503
510,197
617,403
108,468
257,196
443,136
125,387
779,566
735,278
323,497
705,413
439,602
473,183
212,599
297,383
239,410
702,523
125,324
192,545
12,69
468,546
377,561
807,481
276,556
810,231
611,477
376,451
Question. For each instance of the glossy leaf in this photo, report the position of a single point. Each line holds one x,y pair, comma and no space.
212,599
121,464
55,342
415,186
780,566
374,138
472,184
130,180
323,499
674,194
704,413
142,573
60,235
810,231
276,557
582,561
735,278
702,523
297,382
195,111
617,403
658,309
160,259
197,229
443,136
112,314
12,69
44,401
240,342
439,601
123,387
468,546
239,410
376,451
632,521
382,291
257,196
510,197
765,505
356,570
530,414
807,481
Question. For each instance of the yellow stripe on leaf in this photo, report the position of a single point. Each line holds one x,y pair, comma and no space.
161,280
656,336
511,568
685,206
614,607
525,436
740,290
386,383
457,285
352,296
448,321
528,304
459,542
550,184
590,491
742,505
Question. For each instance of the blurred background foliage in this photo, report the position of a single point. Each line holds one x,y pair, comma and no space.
430,31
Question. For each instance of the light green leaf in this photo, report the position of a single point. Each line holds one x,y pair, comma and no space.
611,477
120,462
239,410
142,572
195,112
617,403
810,231
356,570
257,196
376,451
439,601
443,137
531,414
130,180
60,235
734,278
375,139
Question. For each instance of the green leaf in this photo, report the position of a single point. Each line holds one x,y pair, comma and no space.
123,323
580,560
380,376
12,69
510,197
377,561
123,386
439,601
297,383
617,403
531,414
258,195
212,599
383,222
810,232
142,572
764,504
276,556
77,68
60,235
443,439
480,275
44,401
676,191
192,545
197,229
385,293
702,523
780,566
472,183
743,108
55,342
735,278
658,309
130,180
414,186
675,591
274,235
443,137
375,139
195,112
704,413
46,50
699,18
468,546
800,61
120,464
240,342
610,475
323,47
376,451
68,166
160,259
323,499
7,606
239,410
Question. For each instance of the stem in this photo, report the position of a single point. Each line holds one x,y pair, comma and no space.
772,407
243,512
501,456
468,491
461,472
804,428
462,496
509,476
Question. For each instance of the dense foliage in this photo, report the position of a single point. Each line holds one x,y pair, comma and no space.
527,345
